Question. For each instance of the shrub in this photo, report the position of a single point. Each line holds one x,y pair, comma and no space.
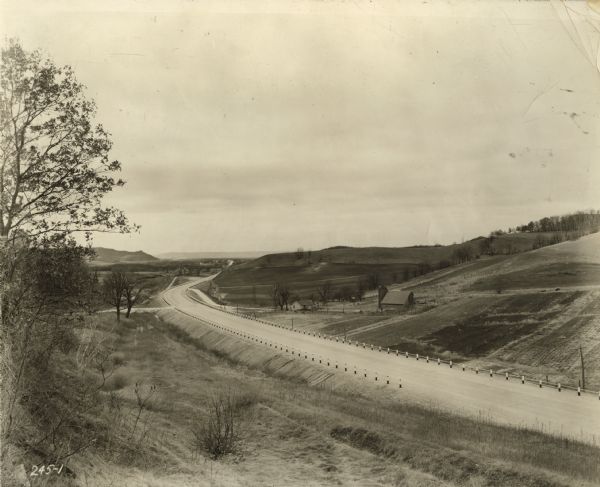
218,433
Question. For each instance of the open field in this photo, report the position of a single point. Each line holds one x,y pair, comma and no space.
185,267
303,425
332,323
531,326
455,389
295,434
561,274
528,327
467,326
251,283
252,286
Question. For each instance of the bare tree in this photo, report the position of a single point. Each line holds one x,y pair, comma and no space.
462,254
281,296
360,289
218,433
324,291
373,280
485,246
582,368
381,292
114,290
132,292
284,293
275,296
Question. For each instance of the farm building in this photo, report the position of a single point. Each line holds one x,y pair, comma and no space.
396,299
303,305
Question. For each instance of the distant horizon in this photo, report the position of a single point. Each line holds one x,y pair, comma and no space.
267,252
331,123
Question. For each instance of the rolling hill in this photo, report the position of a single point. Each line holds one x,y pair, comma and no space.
345,267
519,308
210,255
531,312
112,256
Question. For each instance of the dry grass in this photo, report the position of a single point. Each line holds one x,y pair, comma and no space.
300,435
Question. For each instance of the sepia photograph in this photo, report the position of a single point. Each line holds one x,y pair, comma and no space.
300,243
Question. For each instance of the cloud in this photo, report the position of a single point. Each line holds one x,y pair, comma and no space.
332,123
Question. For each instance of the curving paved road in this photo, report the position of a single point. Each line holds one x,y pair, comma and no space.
452,389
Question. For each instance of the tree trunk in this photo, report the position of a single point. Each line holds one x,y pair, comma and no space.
582,369
118,312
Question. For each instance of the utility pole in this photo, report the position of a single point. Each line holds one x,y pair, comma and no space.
292,324
582,368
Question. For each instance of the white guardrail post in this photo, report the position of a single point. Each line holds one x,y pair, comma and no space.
364,345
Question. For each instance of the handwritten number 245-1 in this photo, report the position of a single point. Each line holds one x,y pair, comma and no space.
46,469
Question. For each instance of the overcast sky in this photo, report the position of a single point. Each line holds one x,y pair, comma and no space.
269,126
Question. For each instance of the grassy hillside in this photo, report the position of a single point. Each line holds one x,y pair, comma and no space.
211,255
525,313
107,256
185,267
291,433
344,267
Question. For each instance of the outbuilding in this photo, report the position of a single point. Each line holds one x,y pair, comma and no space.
397,299
302,305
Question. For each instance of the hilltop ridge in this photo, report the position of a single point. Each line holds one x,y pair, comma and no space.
106,255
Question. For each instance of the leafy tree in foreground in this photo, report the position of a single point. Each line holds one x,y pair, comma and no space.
54,162
54,172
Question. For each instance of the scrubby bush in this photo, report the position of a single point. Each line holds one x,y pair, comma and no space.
218,432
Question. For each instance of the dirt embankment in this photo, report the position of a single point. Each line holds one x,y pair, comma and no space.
258,357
